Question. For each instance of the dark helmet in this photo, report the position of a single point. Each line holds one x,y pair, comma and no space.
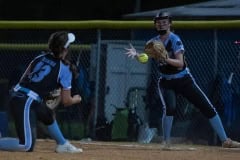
163,15
60,40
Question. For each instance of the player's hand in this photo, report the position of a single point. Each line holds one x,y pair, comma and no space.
77,98
132,53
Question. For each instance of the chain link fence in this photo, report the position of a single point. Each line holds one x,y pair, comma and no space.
119,94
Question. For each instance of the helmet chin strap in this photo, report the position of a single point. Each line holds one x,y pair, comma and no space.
162,32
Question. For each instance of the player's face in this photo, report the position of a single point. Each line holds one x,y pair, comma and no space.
162,24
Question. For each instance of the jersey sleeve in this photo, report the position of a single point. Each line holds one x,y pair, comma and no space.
177,44
65,76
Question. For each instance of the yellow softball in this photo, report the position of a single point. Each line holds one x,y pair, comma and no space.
142,58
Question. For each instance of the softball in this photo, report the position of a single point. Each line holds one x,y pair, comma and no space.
142,58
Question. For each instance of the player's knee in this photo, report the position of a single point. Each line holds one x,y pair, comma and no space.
209,112
48,121
170,111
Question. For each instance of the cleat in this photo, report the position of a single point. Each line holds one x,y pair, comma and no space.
68,148
166,145
230,144
169,147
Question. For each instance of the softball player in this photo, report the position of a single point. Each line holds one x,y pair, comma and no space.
175,78
45,73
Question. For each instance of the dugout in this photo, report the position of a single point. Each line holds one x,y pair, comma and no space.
210,10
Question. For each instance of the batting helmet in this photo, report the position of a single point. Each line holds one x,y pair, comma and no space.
163,15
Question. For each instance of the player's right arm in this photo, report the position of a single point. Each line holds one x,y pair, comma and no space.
65,81
68,99
132,52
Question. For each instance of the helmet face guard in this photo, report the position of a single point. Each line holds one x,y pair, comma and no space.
162,16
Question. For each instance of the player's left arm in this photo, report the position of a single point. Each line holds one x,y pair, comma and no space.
178,49
177,61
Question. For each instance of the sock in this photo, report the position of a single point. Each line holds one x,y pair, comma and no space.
55,133
10,144
167,127
218,127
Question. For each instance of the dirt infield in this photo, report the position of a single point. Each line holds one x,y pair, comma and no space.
123,151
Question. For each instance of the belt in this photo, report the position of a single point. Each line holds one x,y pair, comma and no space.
175,76
28,92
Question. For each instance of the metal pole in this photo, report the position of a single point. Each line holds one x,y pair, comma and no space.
97,79
215,38
215,53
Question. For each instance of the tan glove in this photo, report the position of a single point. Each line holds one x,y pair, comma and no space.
156,50
54,99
